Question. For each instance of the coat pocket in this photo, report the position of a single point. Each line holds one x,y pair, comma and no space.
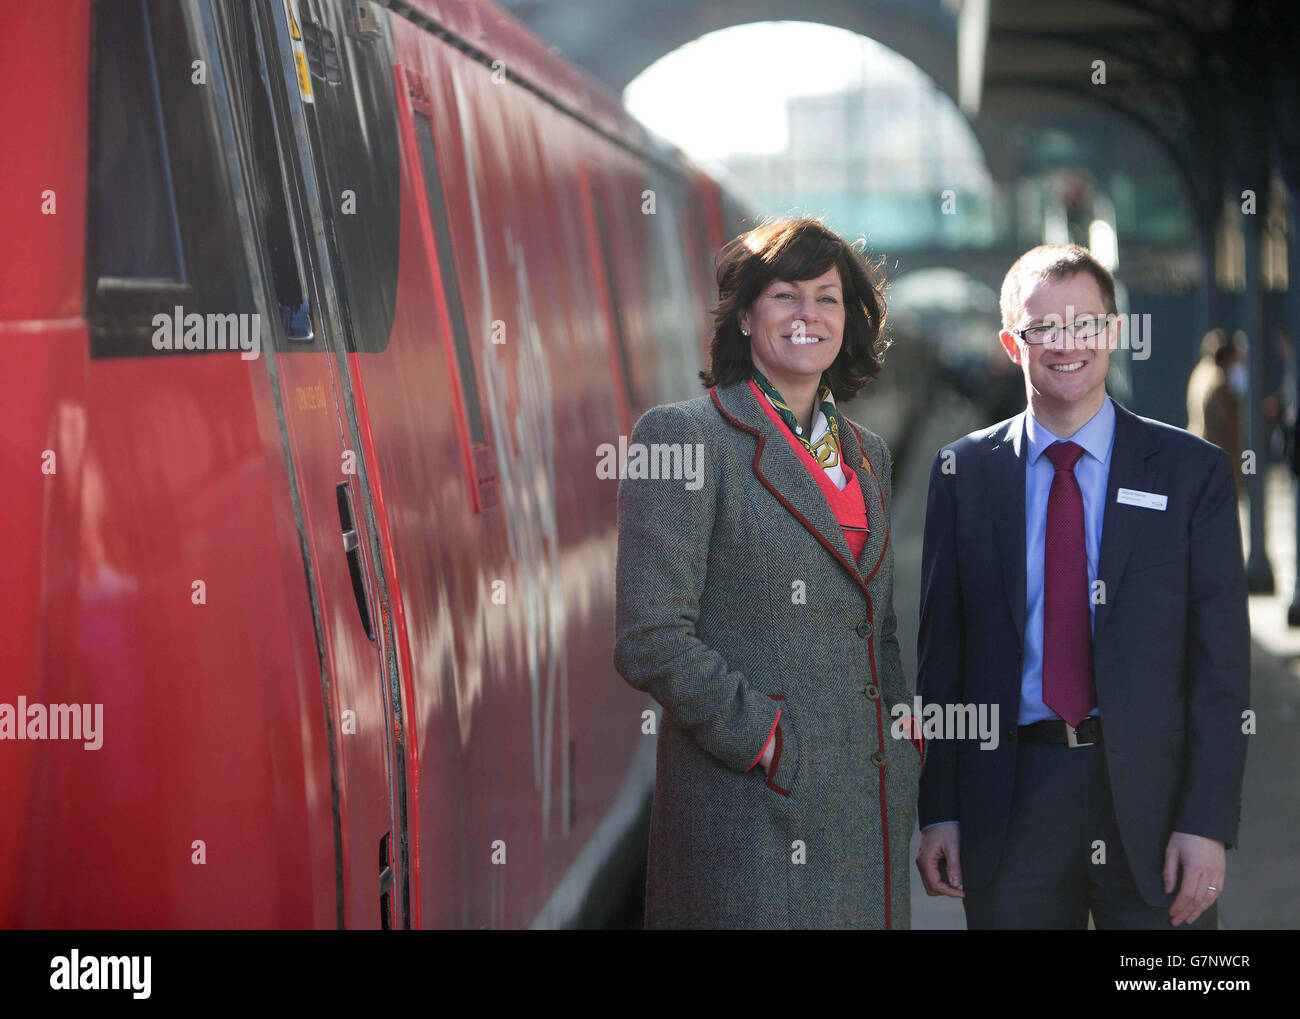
784,772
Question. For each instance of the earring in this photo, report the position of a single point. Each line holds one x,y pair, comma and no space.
744,332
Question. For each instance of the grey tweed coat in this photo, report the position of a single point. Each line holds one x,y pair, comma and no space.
738,600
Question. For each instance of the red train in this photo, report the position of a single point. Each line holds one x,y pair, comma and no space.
313,314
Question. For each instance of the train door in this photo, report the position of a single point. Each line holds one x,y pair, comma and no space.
268,82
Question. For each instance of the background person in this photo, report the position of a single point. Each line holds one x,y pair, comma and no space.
1215,393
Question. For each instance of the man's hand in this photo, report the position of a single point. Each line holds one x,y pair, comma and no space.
938,860
1203,865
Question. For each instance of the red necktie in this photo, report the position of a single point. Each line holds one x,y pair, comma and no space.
1067,624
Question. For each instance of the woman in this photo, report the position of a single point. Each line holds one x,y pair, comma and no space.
757,608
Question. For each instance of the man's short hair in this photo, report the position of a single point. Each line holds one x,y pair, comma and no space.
1051,262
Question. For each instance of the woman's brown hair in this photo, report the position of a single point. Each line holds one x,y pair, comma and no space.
794,250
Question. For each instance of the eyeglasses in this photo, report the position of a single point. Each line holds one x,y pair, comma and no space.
1085,327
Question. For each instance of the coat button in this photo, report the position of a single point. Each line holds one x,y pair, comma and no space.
872,691
877,758
864,629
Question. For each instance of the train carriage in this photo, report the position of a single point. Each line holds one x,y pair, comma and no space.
314,314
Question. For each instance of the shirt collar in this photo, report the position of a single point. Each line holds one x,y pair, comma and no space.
1094,436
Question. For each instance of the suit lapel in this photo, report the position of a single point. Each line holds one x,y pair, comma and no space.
1130,467
780,470
1004,490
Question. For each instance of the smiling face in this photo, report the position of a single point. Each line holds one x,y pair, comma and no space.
1070,375
796,328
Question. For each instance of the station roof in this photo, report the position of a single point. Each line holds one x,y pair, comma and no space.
615,40
1214,82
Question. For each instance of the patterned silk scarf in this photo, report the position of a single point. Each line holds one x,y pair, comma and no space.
824,447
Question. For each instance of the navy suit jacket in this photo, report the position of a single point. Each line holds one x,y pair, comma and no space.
1171,640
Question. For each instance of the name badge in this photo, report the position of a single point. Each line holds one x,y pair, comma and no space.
1147,500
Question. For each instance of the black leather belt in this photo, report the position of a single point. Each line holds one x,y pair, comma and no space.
1056,730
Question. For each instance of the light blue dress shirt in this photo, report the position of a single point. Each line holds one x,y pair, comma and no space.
1092,471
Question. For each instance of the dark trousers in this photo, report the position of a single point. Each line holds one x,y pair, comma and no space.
1046,877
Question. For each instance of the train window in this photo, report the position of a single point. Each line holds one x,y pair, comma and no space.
161,227
616,307
433,230
134,203
358,153
267,191
704,241
672,303
450,281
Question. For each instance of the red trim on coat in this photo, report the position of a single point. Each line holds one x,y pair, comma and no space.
884,812
916,739
880,491
776,760
776,754
768,740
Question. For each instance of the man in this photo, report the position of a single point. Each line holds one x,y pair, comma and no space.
1082,573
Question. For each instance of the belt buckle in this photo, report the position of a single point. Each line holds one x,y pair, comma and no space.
1072,737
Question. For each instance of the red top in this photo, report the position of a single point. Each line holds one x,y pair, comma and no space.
848,504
